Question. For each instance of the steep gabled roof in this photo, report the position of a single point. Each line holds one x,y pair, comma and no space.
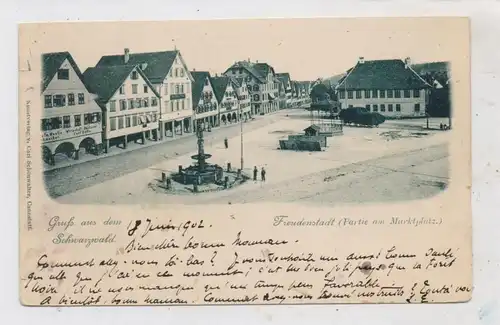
158,63
198,84
106,80
264,69
51,62
251,68
284,77
382,74
220,85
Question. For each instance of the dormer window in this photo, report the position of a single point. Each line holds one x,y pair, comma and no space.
134,75
206,82
63,74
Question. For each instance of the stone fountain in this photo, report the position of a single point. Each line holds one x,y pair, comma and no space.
201,172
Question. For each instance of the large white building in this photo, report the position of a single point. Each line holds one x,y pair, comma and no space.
168,72
389,87
261,83
71,119
129,102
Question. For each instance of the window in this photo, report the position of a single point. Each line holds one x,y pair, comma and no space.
48,101
342,94
134,120
256,88
256,97
177,89
134,89
390,108
358,94
51,123
417,108
349,94
397,93
131,104
182,105
66,121
382,108
146,89
134,75
138,103
177,105
81,98
123,104
90,118
127,121
154,117
170,73
71,99
154,101
122,90
368,107
78,120
63,74
112,123
120,122
367,93
374,93
146,102
406,94
166,89
59,100
398,107
176,72
350,106
382,93
416,93
390,94
112,105
182,72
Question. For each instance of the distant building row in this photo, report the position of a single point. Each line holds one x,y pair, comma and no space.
150,96
390,87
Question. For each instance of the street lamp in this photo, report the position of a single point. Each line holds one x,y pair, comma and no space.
241,135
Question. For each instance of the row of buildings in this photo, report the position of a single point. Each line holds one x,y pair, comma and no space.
150,96
394,88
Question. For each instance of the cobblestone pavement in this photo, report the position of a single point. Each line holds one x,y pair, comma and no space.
69,179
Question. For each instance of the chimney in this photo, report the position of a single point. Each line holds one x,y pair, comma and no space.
361,60
256,61
126,55
407,62
248,60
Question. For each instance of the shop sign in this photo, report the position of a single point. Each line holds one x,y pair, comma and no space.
55,135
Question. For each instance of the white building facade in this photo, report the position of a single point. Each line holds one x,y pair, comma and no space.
169,74
388,87
71,119
129,101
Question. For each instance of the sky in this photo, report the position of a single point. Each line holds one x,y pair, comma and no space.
306,48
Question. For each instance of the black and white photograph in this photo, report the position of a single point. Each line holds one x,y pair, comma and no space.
250,111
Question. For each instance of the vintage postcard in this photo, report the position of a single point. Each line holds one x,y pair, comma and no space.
264,161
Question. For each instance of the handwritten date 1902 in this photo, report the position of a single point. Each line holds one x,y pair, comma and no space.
150,226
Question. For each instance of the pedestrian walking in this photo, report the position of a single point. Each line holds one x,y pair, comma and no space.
226,144
255,171
263,174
